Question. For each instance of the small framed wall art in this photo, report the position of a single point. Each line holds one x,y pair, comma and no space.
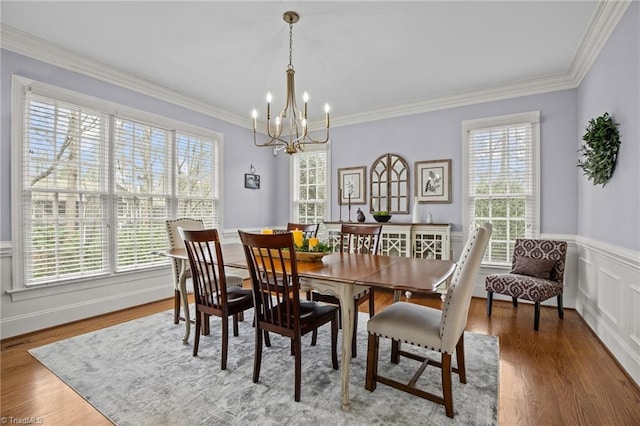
352,185
251,181
433,181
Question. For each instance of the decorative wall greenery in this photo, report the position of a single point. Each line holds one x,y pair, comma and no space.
600,150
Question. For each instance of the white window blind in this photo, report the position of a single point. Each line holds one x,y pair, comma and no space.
142,189
198,178
502,184
309,189
97,182
64,189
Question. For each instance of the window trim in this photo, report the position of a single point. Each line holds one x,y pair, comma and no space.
20,85
532,117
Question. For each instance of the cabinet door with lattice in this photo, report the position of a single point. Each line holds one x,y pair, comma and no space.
431,241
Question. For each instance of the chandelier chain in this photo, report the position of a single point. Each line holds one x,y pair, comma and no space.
290,46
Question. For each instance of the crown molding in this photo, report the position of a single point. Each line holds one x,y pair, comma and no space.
497,92
42,50
604,20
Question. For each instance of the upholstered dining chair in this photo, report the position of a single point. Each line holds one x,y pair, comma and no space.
537,274
212,296
364,239
438,330
175,242
309,230
276,292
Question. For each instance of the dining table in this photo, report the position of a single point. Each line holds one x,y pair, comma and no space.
342,275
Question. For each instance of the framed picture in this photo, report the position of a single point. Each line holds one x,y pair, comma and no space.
251,181
352,185
433,181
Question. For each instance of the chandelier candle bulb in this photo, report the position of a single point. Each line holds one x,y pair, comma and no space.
297,237
326,111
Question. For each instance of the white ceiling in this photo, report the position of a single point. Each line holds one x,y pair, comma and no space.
363,58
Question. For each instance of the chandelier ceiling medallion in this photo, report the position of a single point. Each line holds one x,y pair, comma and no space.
294,120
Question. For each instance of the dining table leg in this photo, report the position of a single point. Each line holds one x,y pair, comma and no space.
182,283
348,312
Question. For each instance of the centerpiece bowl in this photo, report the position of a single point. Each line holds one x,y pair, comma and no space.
382,217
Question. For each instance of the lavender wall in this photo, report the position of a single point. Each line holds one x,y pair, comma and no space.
242,207
612,213
437,135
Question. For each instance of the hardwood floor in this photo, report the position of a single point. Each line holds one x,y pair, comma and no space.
560,375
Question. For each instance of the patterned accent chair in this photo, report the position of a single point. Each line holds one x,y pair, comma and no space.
537,274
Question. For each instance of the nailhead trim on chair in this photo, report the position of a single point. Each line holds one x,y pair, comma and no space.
413,343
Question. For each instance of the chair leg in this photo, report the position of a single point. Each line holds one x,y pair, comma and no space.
354,339
257,357
235,324
536,317
176,306
373,346
267,340
196,338
298,366
489,302
334,341
462,372
225,342
314,337
515,302
560,308
372,309
446,384
395,351
206,326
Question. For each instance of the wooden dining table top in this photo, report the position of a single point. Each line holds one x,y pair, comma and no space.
391,272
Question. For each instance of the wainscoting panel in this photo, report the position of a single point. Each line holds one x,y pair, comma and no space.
609,286
609,299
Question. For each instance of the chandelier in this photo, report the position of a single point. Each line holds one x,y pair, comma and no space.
294,120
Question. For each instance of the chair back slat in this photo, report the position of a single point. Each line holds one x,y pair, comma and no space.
363,239
207,267
274,277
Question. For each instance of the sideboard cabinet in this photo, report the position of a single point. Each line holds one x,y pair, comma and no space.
421,240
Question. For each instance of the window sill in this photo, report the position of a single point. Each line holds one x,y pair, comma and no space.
46,290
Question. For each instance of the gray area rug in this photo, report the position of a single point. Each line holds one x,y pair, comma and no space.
140,373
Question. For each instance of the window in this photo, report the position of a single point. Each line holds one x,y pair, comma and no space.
95,186
309,186
501,182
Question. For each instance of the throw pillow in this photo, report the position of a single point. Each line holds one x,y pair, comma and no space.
539,268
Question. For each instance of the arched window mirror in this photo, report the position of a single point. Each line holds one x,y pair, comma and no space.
389,180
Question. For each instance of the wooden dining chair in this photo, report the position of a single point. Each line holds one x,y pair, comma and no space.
175,242
363,239
434,329
212,294
276,292
309,230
